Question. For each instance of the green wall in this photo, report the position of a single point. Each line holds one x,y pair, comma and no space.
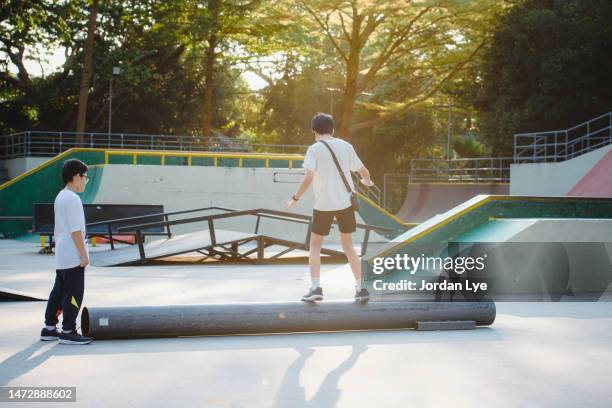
41,186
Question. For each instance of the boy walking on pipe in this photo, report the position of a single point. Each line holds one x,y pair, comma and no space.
71,258
328,164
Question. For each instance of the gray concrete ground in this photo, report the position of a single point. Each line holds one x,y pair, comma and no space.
535,354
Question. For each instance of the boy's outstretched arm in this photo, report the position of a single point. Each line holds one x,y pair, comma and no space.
306,181
365,176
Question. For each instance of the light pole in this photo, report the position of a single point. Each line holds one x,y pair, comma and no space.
449,126
331,99
116,72
448,138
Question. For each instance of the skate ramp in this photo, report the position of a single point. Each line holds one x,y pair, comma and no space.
425,200
548,248
160,248
597,182
374,214
41,185
182,181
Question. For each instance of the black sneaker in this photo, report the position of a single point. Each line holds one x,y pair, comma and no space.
313,295
362,295
49,335
73,338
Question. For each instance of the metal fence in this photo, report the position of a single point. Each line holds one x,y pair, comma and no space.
560,145
474,170
49,144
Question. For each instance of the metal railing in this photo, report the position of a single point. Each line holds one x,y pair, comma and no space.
560,145
259,213
473,170
109,224
49,144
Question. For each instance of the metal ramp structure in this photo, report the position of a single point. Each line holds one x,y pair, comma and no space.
211,242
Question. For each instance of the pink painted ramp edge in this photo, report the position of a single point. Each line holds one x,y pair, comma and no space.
597,182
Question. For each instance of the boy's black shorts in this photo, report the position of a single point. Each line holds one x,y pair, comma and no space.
322,221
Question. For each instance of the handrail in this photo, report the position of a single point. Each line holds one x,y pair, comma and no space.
139,232
561,145
51,143
474,169
257,212
117,220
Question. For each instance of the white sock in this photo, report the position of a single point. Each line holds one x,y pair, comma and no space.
50,327
316,282
66,331
358,285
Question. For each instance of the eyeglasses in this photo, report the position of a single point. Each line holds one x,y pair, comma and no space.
86,177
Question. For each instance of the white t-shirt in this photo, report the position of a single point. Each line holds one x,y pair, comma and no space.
69,217
329,191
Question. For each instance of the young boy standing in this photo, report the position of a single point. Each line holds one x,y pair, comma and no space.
332,200
71,258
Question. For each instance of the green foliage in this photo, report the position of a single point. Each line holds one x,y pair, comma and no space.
469,146
545,65
159,47
547,68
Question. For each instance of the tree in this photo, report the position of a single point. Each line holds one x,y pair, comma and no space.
87,72
21,26
26,28
161,84
547,67
221,25
211,49
442,36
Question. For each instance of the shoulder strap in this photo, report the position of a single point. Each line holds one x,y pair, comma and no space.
346,184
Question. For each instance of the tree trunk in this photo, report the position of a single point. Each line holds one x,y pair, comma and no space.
87,73
213,10
209,83
350,94
17,58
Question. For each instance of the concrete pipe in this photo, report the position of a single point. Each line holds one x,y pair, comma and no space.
131,322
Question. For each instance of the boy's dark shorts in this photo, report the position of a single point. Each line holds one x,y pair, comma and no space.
322,221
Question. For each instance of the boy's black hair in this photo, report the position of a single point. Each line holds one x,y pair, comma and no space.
71,168
322,123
